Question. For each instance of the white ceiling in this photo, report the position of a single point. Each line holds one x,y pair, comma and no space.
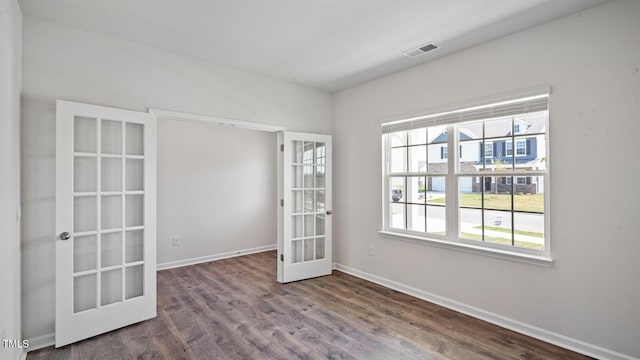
326,44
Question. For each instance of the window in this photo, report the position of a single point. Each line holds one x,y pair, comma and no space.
521,147
516,128
487,199
488,149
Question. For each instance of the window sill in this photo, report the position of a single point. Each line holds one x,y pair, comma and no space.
468,248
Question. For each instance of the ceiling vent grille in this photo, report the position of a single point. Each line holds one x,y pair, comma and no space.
421,50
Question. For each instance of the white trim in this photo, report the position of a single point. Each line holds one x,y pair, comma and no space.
214,120
208,258
23,354
511,324
484,249
41,342
478,103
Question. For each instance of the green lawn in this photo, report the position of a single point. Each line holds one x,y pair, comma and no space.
503,241
505,230
531,203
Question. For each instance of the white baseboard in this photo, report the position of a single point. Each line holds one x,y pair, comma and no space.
203,259
40,342
517,326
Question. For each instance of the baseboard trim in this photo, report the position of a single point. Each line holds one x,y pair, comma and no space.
203,259
40,342
517,326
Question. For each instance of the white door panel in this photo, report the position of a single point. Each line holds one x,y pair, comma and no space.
105,219
304,221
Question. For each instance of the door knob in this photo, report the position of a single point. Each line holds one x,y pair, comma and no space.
329,212
65,236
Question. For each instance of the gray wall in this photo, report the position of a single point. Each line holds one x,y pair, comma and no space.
64,63
592,62
10,84
216,190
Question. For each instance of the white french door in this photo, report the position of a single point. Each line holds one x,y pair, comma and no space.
304,219
105,219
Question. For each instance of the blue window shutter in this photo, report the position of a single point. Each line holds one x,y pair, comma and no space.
529,141
441,152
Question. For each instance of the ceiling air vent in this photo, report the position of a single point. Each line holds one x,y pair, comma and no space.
422,49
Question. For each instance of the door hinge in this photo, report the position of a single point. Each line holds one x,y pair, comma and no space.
281,257
281,202
281,147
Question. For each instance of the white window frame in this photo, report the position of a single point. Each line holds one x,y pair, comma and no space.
445,152
451,239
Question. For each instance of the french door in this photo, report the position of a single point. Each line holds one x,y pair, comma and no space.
304,219
105,220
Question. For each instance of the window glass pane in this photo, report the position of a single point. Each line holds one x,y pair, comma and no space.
397,189
436,220
418,137
470,158
531,123
416,189
399,138
416,216
398,160
397,215
470,131
529,215
418,158
469,211
498,128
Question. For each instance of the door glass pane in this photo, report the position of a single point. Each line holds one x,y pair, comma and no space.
297,201
296,177
111,137
84,135
111,213
134,210
84,253
134,174
308,225
84,292
320,153
307,156
308,201
320,177
135,139
319,248
85,174
320,201
111,249
111,287
134,250
307,174
85,217
320,225
134,281
296,152
296,251
309,248
111,174
296,226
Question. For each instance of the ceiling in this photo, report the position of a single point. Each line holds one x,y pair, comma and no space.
326,44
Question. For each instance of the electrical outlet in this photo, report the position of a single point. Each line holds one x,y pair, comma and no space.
370,250
176,241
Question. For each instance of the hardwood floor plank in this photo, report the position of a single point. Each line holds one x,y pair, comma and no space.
235,309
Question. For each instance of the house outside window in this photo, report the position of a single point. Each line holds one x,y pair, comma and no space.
483,195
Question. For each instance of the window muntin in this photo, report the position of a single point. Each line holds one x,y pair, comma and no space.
498,196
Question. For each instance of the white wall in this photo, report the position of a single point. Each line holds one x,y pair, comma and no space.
10,87
591,293
64,63
216,190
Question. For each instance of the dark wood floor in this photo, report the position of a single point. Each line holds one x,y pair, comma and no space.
234,309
